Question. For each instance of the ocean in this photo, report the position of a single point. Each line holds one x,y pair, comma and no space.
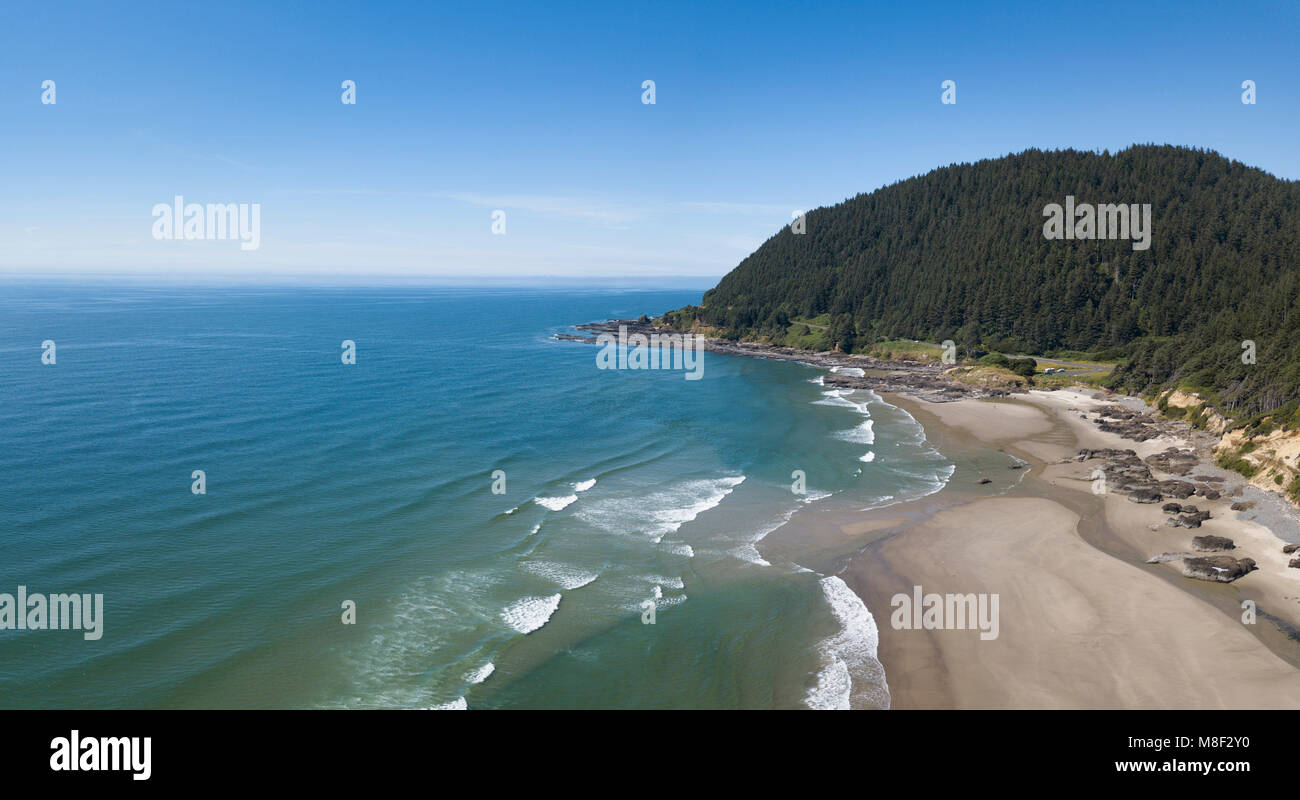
366,489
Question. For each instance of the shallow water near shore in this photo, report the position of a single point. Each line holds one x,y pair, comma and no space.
371,483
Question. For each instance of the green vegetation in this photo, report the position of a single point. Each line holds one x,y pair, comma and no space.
1024,367
982,375
905,350
799,334
959,254
1235,462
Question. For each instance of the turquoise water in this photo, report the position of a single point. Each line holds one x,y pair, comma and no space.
372,483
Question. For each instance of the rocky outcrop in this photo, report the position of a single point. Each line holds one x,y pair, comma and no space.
1125,422
1188,520
1223,569
1287,549
1207,544
1173,461
1125,474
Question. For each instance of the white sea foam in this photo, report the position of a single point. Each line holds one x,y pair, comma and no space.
854,372
834,687
868,458
840,398
530,613
458,704
834,397
513,510
481,674
661,512
669,600
749,553
660,581
883,500
535,529
660,599
850,674
565,576
582,486
555,503
864,433
681,549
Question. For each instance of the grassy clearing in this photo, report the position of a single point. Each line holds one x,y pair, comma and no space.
802,335
985,376
904,350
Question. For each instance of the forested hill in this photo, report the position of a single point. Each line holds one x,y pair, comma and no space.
960,254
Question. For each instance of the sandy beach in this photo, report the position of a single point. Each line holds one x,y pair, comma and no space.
1084,621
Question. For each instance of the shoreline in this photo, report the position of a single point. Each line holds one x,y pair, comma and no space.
1105,628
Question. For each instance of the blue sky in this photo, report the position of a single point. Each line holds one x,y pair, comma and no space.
535,109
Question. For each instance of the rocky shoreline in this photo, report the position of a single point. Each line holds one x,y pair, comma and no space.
913,378
1164,475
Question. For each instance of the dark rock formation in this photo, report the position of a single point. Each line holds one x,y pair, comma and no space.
1173,461
1179,489
1192,520
1224,569
1211,543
